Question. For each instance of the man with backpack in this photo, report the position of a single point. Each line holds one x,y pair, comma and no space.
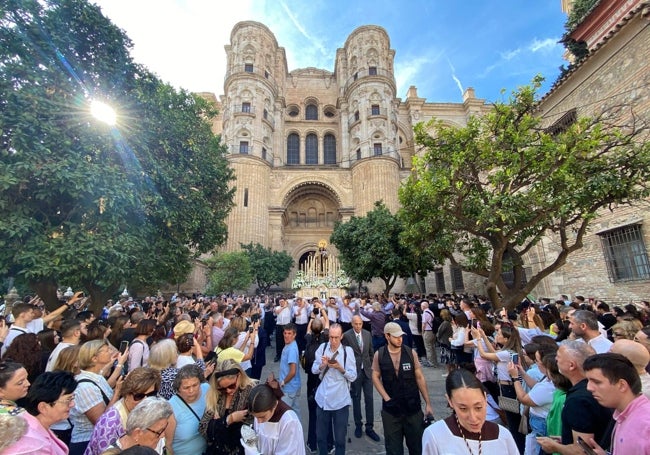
337,369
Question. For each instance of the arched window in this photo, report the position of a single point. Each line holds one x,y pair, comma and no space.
311,149
311,112
329,147
293,149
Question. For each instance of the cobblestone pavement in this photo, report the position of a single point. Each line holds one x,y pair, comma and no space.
365,445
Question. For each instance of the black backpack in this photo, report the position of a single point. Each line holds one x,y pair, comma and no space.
309,354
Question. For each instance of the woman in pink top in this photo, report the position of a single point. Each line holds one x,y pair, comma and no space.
49,400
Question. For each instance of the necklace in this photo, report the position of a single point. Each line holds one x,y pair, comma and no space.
460,428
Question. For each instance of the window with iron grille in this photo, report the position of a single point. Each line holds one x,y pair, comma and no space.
440,281
372,71
293,149
377,148
329,148
374,109
358,154
625,252
263,153
246,107
248,67
243,147
457,282
311,149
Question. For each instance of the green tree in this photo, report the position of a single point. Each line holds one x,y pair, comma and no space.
484,195
89,205
229,272
269,267
371,247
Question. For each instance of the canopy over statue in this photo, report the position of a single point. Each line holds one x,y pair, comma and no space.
320,275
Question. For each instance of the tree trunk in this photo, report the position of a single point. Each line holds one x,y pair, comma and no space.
46,290
99,296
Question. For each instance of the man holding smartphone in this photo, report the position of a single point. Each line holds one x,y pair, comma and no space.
337,368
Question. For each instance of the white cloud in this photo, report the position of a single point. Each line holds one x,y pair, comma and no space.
406,73
453,76
544,45
509,55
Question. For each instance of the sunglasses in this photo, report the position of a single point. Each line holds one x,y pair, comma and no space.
232,386
142,396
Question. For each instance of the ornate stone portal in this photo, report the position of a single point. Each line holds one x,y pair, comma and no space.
320,275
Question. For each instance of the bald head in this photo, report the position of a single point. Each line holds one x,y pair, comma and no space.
635,353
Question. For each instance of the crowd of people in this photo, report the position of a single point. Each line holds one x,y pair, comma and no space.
185,376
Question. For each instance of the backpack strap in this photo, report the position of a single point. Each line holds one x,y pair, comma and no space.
104,397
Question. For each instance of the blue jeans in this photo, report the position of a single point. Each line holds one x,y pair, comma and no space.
324,421
293,400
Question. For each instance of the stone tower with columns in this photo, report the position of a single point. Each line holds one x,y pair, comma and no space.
310,147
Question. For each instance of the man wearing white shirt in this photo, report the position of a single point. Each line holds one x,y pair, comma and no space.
283,315
584,324
332,310
337,367
301,314
70,336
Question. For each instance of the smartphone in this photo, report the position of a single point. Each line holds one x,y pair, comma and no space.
585,447
478,324
331,361
124,346
515,359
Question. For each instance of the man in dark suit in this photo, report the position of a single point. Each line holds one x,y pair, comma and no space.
360,341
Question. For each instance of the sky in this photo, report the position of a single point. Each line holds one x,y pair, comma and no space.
441,47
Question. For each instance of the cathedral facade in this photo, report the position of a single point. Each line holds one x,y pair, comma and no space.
311,147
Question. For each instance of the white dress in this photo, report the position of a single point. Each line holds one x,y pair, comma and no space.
439,440
284,437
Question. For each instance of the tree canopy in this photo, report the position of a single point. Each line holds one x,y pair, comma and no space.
371,247
484,195
269,267
229,272
87,204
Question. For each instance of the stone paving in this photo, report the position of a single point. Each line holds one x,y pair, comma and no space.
365,445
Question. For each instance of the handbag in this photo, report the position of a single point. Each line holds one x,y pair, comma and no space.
508,404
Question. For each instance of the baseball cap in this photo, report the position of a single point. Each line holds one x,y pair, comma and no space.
393,329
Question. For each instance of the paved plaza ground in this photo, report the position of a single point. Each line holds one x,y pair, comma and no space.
365,445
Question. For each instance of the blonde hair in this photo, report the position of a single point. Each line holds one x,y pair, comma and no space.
12,428
89,350
68,360
239,323
163,354
212,399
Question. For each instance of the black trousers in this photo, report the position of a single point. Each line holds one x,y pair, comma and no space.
279,340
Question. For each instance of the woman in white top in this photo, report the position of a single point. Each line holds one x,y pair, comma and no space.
539,398
467,431
278,428
247,341
509,344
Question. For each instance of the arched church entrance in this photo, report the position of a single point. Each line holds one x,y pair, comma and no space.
312,209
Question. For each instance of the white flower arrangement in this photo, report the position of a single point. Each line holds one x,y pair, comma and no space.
302,280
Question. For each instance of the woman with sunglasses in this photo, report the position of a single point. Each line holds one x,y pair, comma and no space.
48,401
189,406
145,427
94,393
226,409
138,385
